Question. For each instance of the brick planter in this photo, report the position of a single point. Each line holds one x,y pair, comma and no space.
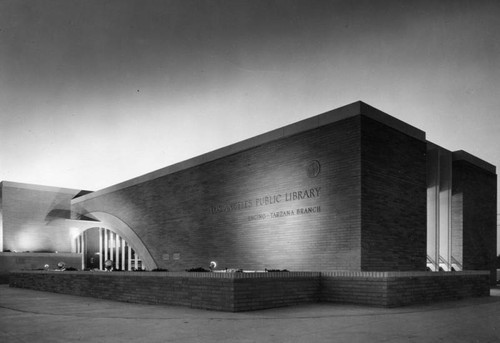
236,292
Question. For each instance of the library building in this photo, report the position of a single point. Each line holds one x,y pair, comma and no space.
348,206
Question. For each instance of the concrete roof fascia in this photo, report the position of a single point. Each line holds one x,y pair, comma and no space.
29,186
344,112
391,121
461,155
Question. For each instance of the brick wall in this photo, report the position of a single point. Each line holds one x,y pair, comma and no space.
215,291
474,210
275,290
20,261
183,214
394,196
388,289
369,200
252,291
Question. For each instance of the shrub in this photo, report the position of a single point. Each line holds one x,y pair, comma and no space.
198,270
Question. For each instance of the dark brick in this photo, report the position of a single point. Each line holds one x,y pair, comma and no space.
474,201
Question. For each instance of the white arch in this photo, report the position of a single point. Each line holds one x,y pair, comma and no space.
118,226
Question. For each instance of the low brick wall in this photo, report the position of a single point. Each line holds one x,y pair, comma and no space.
214,291
391,289
253,291
16,261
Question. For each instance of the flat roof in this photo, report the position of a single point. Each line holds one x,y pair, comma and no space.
40,187
351,110
462,155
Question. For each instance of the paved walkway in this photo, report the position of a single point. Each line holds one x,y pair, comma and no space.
33,316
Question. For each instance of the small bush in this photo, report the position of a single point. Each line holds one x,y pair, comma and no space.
198,270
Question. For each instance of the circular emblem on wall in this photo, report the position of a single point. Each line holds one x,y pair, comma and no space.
313,168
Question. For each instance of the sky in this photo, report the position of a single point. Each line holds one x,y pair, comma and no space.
96,92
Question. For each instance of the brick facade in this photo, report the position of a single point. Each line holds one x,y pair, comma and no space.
474,215
393,235
349,195
186,213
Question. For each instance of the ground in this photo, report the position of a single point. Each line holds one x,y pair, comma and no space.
33,316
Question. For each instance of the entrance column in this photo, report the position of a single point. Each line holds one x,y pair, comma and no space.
123,254
106,239
100,248
83,250
136,262
117,251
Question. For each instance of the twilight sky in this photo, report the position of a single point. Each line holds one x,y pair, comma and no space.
96,92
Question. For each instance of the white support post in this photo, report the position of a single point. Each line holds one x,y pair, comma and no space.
123,253
106,238
100,249
83,250
129,268
136,262
117,250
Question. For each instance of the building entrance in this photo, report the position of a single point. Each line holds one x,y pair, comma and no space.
98,245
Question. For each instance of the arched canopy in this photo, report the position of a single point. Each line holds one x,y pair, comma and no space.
118,226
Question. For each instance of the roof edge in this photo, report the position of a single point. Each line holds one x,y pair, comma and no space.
461,155
344,112
30,186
